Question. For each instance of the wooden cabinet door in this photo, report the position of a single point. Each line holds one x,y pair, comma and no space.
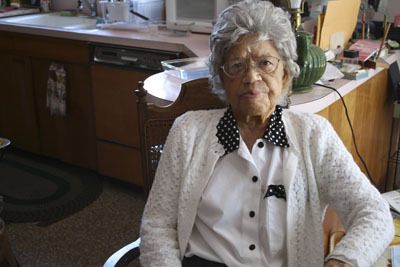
370,109
118,143
70,138
18,117
115,104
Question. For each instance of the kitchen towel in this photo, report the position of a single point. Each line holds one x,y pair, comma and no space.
56,90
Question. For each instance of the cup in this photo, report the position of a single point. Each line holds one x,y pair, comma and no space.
103,9
117,11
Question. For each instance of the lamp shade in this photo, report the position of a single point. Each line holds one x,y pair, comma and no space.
295,4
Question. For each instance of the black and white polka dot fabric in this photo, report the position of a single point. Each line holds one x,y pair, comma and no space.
228,133
275,132
276,190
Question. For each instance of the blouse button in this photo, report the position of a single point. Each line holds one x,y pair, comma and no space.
260,144
252,247
252,214
255,178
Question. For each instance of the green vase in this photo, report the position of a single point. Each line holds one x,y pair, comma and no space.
312,63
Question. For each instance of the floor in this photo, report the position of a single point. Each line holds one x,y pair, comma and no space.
86,238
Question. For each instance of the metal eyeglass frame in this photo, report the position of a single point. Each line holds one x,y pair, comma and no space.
253,66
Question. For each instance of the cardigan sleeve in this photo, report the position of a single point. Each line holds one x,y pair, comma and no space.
159,243
362,210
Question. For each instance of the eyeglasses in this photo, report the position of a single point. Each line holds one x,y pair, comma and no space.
239,67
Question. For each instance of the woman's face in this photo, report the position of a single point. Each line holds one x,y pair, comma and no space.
259,76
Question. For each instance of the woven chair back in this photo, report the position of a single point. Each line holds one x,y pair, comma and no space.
155,120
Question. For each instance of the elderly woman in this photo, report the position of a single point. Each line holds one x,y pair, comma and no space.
249,185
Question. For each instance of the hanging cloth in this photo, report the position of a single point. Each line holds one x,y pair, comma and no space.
56,90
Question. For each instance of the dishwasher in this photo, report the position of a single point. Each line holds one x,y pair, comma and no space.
115,73
133,58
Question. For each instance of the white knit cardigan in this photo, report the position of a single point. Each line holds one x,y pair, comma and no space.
317,171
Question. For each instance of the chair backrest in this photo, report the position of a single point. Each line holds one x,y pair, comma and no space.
155,121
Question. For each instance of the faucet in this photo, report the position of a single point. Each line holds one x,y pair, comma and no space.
79,7
91,4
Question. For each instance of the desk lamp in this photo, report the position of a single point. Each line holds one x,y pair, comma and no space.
311,59
295,8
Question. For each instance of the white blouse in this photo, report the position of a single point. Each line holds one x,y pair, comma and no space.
236,223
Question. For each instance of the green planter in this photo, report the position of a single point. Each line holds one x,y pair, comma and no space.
312,63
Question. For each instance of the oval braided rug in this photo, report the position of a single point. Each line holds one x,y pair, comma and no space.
39,189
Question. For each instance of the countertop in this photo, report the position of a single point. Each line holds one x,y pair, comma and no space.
165,86
19,12
192,44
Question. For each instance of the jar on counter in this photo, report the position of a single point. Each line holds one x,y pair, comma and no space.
350,57
45,5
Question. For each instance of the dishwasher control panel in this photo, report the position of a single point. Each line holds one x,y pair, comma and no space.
131,57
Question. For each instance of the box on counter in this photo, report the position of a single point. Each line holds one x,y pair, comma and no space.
187,68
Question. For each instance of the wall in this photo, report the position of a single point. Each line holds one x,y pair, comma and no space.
64,4
393,10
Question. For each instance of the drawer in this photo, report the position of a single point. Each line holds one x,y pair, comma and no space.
120,162
115,104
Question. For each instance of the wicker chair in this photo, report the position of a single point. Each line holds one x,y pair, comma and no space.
155,121
154,124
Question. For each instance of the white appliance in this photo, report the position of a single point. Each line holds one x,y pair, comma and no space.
194,15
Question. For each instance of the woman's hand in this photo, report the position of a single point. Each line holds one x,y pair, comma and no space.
336,263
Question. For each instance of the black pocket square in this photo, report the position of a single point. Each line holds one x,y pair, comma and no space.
276,190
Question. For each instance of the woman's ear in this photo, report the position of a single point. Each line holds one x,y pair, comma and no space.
286,78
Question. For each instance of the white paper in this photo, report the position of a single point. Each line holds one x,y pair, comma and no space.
393,198
331,73
396,256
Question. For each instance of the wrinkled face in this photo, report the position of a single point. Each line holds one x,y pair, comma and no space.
253,76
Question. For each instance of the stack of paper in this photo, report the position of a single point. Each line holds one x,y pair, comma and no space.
393,198
395,256
366,48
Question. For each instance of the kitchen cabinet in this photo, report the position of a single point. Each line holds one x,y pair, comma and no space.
24,116
115,104
370,109
70,137
116,116
18,117
116,71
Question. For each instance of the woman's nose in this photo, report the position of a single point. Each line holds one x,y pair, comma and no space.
251,75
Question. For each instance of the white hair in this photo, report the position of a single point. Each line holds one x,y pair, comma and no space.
249,17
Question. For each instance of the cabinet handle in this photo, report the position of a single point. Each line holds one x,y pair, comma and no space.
133,59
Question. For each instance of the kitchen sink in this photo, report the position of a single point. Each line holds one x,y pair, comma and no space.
54,20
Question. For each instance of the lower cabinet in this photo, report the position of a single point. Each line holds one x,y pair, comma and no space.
117,134
18,117
370,109
69,137
119,161
24,117
100,128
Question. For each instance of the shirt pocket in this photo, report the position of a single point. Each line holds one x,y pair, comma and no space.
276,223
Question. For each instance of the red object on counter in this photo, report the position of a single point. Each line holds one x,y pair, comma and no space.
9,8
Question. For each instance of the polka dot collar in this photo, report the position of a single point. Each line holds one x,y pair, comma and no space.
228,133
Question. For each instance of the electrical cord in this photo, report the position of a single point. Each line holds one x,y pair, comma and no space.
352,132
